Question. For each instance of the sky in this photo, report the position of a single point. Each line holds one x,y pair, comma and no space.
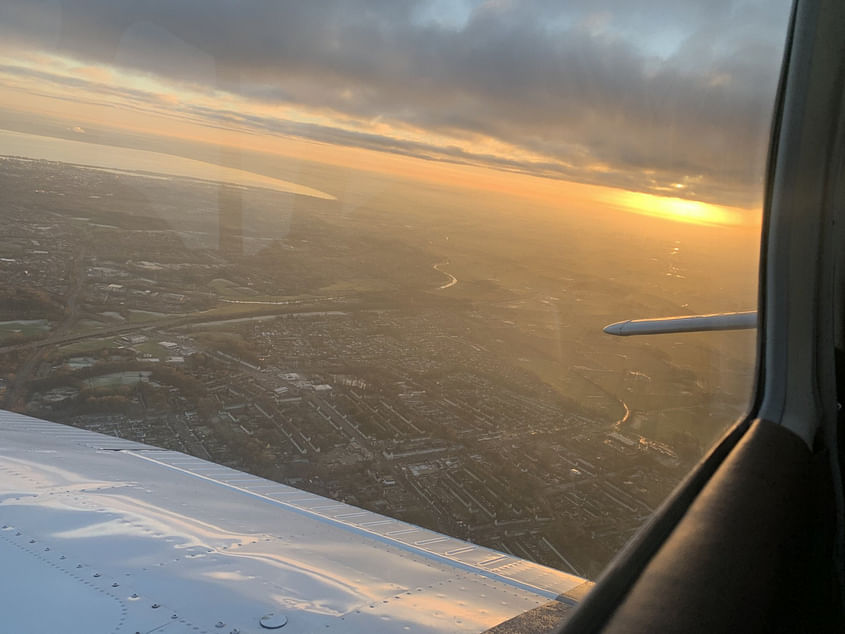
671,98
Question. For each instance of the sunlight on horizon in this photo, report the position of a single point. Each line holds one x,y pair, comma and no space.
156,109
682,209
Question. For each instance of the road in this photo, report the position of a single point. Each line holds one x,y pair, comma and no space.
60,336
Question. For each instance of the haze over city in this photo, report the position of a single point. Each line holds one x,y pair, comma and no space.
367,247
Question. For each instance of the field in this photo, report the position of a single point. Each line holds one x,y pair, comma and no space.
23,328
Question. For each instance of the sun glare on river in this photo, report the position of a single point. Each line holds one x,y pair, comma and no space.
680,209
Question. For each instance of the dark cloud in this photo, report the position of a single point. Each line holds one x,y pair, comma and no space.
654,91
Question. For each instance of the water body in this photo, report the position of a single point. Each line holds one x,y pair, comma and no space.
119,159
286,302
452,279
619,424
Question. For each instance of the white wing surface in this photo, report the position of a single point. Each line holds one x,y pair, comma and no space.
105,535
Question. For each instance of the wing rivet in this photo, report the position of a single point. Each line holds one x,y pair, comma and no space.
155,606
219,624
273,621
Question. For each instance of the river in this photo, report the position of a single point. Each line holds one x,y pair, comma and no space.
452,279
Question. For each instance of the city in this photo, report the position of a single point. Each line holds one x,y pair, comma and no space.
368,366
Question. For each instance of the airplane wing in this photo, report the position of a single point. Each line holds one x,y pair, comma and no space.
100,534
746,320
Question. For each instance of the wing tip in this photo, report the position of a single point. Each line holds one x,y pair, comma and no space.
617,328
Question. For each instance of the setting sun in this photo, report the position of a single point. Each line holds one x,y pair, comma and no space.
679,209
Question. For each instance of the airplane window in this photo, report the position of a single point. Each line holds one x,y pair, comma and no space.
369,248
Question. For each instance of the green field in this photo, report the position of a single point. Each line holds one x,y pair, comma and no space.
86,346
137,316
23,327
118,378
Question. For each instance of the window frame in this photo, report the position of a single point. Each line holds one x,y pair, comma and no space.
799,298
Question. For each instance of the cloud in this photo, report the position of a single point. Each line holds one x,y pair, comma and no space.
671,89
